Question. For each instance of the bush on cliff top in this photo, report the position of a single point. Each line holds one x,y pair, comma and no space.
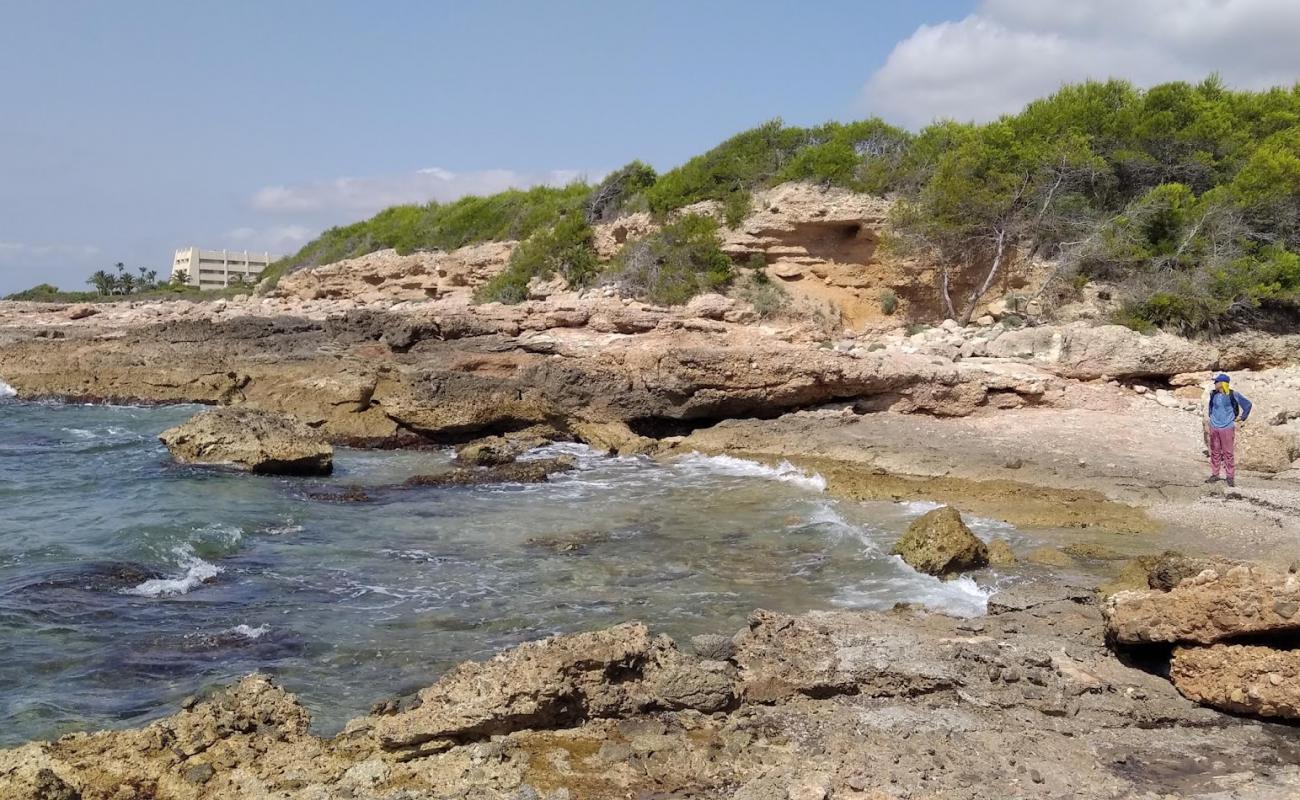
1187,196
675,263
563,249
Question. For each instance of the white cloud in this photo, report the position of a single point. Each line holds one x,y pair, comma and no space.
275,238
366,195
1010,51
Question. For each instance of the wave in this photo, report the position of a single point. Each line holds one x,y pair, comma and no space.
959,597
248,631
197,573
744,468
7,391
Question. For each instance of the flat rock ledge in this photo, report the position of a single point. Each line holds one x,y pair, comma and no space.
250,439
1026,702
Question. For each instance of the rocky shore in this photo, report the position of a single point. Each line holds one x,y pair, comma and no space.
1026,702
1087,433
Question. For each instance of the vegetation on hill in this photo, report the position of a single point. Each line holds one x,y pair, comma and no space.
110,285
1186,197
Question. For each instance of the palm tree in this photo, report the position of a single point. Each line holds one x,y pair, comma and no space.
102,281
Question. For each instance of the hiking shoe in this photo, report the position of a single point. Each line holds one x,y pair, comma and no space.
1232,482
1213,479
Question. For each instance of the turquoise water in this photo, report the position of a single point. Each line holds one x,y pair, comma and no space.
127,582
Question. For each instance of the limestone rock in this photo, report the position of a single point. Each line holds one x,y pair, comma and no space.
940,543
1118,352
1244,679
250,439
534,471
1208,608
504,449
82,312
1001,554
614,438
556,682
1261,450
1049,557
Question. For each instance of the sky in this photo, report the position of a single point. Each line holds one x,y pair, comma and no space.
132,128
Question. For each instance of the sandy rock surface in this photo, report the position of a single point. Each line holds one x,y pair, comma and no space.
1243,679
1210,607
250,439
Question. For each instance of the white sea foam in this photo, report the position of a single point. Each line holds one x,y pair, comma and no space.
960,597
7,391
250,632
197,573
740,467
919,507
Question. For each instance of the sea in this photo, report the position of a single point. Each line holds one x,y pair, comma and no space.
128,582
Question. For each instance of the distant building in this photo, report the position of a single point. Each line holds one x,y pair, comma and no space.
216,269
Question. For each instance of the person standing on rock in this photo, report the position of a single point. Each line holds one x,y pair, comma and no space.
1226,411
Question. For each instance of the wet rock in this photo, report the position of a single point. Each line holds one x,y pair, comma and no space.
1092,551
1171,568
199,773
349,494
1049,557
615,438
104,576
1001,554
1243,679
534,471
713,647
49,786
250,439
706,686
939,543
1208,608
504,449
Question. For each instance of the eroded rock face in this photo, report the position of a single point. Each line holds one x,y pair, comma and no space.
1244,679
940,543
250,439
555,683
1211,607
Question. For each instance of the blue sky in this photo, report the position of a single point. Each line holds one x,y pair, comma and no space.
132,128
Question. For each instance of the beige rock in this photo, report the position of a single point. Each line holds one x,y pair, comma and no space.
1260,450
940,543
1049,557
1001,554
258,441
1210,607
614,438
1243,679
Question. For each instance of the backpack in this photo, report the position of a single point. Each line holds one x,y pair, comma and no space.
1232,395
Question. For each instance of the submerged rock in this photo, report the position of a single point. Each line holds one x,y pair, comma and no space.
940,543
1211,607
519,472
1244,679
1001,554
250,439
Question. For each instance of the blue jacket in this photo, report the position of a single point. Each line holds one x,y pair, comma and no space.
1225,409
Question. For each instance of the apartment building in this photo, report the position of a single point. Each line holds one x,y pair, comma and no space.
216,269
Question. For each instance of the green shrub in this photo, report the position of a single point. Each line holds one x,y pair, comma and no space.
618,191
675,263
767,298
888,301
564,249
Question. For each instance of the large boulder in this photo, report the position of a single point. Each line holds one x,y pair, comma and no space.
1245,679
1261,450
250,439
555,682
1118,352
939,543
1211,607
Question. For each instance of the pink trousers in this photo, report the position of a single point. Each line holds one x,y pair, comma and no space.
1221,450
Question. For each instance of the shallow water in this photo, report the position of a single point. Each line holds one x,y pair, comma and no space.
127,583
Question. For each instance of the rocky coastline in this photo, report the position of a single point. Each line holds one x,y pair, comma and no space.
1085,432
